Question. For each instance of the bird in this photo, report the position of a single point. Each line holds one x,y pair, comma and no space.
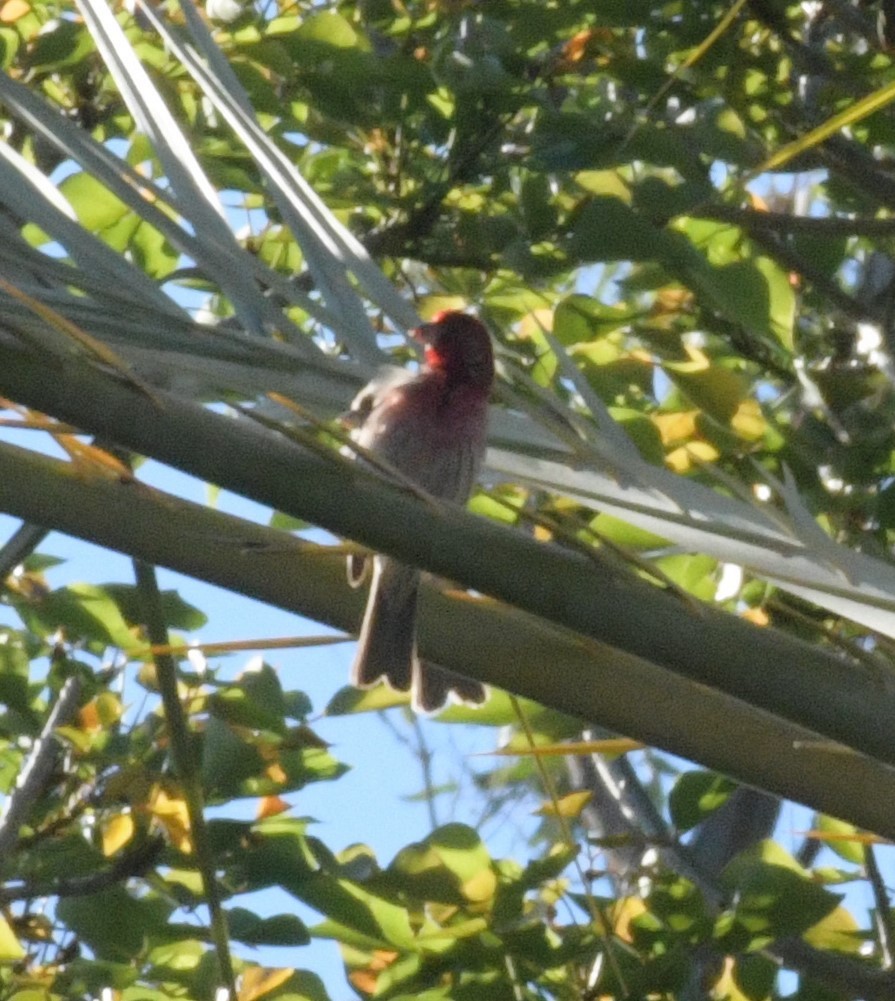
431,428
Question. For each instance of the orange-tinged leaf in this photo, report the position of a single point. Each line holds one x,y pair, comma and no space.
88,717
272,806
117,832
104,710
365,978
12,10
758,616
569,806
257,981
93,459
275,773
576,48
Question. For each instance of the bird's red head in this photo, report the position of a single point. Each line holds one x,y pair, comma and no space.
459,346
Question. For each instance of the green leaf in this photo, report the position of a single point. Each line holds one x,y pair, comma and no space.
695,574
96,207
113,923
774,897
61,44
838,833
451,866
280,929
624,534
255,700
608,230
14,688
176,612
281,853
695,796
84,612
712,387
580,318
227,760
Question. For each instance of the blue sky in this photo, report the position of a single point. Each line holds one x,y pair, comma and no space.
376,802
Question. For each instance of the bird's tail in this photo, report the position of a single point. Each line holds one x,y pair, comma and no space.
433,685
386,647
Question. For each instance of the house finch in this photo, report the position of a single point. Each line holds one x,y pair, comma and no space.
430,427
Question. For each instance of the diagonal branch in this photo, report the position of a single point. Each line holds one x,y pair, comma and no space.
818,690
485,639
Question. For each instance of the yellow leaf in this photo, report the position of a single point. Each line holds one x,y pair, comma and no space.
13,10
577,47
117,832
689,455
726,985
104,710
10,948
676,427
671,301
837,931
432,304
855,837
535,323
569,805
748,421
172,813
623,912
609,745
257,981
275,773
481,887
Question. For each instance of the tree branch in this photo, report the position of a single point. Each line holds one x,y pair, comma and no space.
485,639
37,769
818,690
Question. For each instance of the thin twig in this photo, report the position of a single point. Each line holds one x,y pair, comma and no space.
38,767
185,765
882,915
21,544
786,222
134,863
601,922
